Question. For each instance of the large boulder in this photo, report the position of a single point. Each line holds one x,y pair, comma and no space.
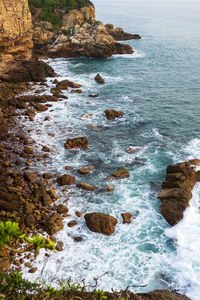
66,180
100,223
121,173
179,182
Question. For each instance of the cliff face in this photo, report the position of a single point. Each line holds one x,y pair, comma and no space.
15,33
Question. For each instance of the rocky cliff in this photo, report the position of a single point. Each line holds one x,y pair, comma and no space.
79,34
15,33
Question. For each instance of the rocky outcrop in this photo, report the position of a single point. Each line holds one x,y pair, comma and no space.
78,17
121,173
112,114
119,35
159,295
15,34
101,223
175,197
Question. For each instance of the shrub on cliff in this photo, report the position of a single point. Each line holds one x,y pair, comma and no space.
50,9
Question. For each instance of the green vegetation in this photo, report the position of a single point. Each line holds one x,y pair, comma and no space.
49,6
9,230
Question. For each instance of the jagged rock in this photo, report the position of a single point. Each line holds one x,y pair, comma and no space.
112,114
86,186
121,173
59,246
178,185
61,209
99,79
86,170
66,180
63,85
72,223
100,223
80,142
54,224
119,35
126,218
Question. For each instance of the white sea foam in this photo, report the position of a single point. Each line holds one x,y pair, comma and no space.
136,54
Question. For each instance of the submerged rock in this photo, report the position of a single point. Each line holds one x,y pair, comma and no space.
100,223
86,186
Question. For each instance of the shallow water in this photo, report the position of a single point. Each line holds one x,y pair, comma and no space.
158,90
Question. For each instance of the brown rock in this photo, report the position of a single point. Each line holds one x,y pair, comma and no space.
126,218
29,220
86,170
59,246
61,209
68,168
77,239
99,79
180,179
109,188
112,114
30,176
76,91
33,270
4,260
198,176
160,295
66,180
45,149
86,186
121,173
78,214
131,150
54,224
72,223
63,85
101,223
80,142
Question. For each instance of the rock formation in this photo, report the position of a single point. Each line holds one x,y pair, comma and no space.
175,197
15,33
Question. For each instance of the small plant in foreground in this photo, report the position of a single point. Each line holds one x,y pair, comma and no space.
10,230
99,295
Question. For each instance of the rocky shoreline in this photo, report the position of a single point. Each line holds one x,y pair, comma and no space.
29,198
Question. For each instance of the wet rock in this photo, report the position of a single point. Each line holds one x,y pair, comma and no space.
30,176
77,239
109,188
80,142
54,224
66,180
30,220
126,218
121,173
72,223
178,185
198,175
112,114
33,270
86,186
86,170
61,209
76,91
78,214
59,246
4,260
119,35
28,208
131,150
99,79
93,95
100,223
63,85
45,149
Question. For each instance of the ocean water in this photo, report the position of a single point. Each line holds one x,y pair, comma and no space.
158,90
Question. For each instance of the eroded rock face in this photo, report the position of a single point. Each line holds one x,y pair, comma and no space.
15,33
178,185
101,223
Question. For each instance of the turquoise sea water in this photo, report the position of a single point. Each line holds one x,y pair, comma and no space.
158,90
